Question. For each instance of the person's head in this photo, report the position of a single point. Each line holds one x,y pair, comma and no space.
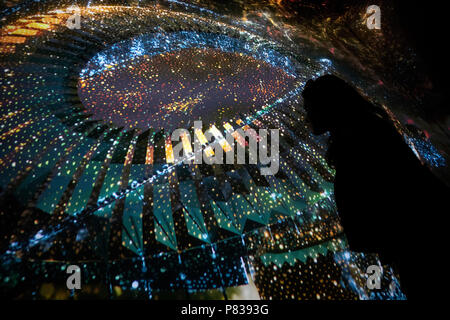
330,103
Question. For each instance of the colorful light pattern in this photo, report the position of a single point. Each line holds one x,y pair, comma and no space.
88,174
172,89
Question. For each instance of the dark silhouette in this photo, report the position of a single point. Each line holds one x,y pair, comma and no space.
387,200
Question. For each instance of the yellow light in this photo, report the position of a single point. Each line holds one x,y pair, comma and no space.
218,135
37,25
225,145
201,137
209,152
187,147
25,20
25,32
228,126
216,132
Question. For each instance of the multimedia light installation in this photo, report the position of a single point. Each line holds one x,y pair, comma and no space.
87,161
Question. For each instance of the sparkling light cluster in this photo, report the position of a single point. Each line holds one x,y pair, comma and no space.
199,76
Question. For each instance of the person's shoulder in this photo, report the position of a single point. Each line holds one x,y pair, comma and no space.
383,127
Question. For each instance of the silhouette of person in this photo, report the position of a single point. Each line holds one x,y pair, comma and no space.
386,198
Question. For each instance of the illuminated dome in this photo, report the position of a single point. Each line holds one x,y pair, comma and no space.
169,80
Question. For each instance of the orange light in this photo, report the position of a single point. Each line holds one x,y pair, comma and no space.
169,151
149,155
239,139
252,133
7,49
129,156
15,130
10,39
258,123
51,20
